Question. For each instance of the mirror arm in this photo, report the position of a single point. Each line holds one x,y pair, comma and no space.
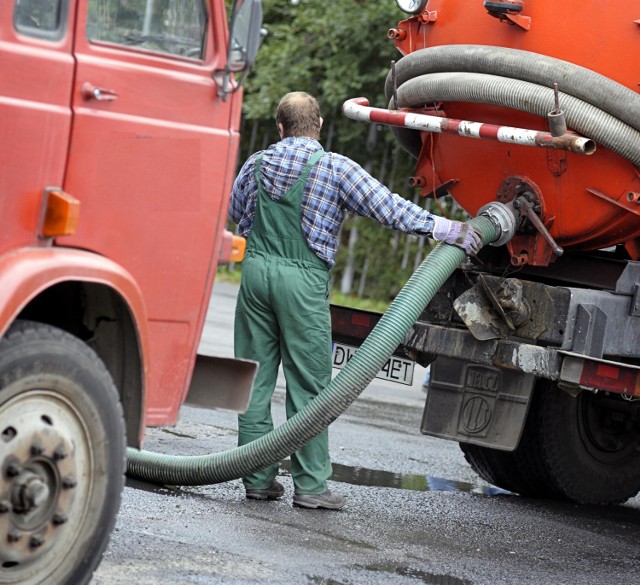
227,84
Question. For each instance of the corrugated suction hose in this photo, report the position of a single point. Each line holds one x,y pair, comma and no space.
595,105
332,401
584,84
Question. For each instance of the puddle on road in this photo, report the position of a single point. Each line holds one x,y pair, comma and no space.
404,481
428,578
366,477
390,569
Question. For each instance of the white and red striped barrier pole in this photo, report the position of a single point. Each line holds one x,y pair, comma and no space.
358,109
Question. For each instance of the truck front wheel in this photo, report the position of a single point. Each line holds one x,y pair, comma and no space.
584,449
62,456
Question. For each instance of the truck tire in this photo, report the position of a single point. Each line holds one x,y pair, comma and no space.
501,468
520,471
589,444
582,449
63,456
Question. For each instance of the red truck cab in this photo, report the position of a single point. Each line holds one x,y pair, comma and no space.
120,124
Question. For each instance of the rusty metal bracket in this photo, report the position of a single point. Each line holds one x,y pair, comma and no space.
631,203
524,22
427,16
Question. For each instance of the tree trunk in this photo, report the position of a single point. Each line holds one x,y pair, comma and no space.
346,283
363,278
253,138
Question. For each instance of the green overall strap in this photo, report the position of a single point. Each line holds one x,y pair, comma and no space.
277,226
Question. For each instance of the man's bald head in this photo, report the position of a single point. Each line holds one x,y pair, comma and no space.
299,114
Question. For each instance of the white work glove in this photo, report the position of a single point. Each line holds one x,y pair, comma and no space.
456,233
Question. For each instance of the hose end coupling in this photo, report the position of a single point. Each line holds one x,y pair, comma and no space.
503,217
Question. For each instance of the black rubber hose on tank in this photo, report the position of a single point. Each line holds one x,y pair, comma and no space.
582,117
598,90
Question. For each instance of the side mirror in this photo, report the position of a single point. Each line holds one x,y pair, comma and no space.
245,35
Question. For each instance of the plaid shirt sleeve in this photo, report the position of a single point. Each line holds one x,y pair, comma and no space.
366,196
335,186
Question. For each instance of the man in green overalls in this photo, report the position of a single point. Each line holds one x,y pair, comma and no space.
290,201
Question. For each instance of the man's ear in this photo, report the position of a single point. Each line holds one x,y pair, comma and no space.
281,131
321,121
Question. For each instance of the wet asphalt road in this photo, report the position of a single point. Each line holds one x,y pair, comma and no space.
416,511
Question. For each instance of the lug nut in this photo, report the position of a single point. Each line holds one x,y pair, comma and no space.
14,536
37,448
36,540
13,469
60,453
5,507
59,518
68,482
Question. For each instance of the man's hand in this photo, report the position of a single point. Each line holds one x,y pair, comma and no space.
456,233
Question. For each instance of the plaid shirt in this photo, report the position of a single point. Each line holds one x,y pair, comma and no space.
335,186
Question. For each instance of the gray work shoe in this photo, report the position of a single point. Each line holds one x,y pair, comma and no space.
274,492
328,501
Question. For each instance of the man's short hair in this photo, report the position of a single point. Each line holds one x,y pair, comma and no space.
299,114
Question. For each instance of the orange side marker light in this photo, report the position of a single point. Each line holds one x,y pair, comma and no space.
238,247
61,215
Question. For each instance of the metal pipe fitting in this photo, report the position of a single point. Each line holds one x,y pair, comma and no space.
358,109
503,217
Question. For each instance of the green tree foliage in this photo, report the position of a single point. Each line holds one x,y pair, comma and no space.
336,51
330,49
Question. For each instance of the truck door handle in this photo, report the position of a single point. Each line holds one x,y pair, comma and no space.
90,92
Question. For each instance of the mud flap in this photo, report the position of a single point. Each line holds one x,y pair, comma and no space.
223,383
472,403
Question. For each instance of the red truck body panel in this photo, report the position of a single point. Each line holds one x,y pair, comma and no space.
152,167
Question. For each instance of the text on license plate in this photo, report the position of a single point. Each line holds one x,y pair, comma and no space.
396,369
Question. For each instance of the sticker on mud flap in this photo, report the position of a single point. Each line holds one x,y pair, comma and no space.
481,388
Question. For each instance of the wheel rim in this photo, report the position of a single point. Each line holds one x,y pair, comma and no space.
608,433
45,487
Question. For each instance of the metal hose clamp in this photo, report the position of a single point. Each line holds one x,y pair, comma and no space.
503,218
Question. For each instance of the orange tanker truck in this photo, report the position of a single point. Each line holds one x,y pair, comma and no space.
534,345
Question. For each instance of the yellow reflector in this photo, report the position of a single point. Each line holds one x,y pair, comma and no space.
238,247
61,215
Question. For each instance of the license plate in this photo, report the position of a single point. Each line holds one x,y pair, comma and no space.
396,369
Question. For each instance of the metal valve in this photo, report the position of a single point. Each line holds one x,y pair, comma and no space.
525,205
557,121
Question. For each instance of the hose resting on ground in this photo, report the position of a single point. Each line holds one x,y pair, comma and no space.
331,402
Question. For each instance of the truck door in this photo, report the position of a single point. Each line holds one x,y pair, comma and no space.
36,74
151,158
